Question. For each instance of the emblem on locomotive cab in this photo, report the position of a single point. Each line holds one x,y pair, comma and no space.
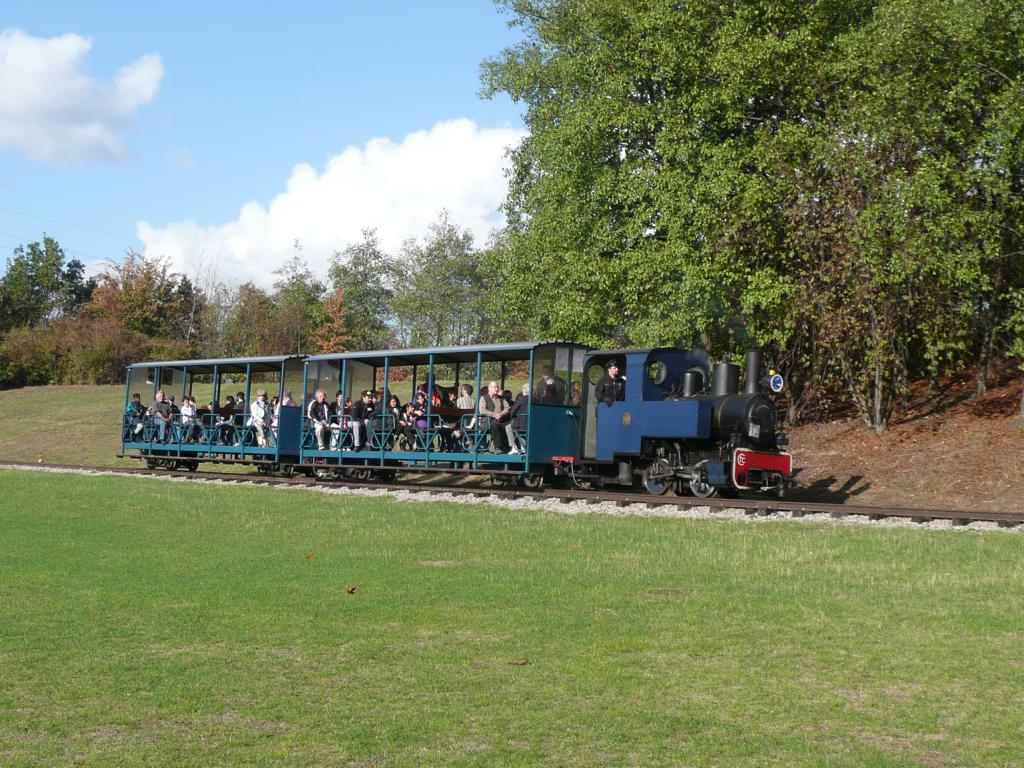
627,419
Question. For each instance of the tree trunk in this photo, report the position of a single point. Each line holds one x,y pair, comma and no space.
1021,418
985,355
877,416
990,319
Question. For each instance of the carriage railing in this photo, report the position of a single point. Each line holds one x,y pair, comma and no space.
341,432
383,431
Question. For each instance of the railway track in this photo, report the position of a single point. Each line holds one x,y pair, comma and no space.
758,507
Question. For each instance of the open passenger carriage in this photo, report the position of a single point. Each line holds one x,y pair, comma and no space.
450,439
217,433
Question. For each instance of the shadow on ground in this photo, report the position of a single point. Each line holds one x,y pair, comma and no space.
823,490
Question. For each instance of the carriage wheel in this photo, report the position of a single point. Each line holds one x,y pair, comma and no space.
362,475
288,470
150,463
534,481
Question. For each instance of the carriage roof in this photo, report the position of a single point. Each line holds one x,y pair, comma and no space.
440,355
224,365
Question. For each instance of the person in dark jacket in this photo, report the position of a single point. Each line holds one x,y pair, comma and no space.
319,413
520,408
551,388
415,421
360,419
135,414
611,387
519,413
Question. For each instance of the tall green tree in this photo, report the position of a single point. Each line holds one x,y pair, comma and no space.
298,311
838,180
39,285
144,295
367,275
250,326
442,298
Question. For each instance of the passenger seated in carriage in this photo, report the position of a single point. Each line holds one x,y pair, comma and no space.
465,401
518,414
415,420
359,419
160,411
189,428
135,415
393,409
520,409
493,405
319,416
339,421
225,424
259,417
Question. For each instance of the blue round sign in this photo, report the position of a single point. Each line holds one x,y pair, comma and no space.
776,383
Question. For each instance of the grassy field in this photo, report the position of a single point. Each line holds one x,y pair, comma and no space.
154,623
83,425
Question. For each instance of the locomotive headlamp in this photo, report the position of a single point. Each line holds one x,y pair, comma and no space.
773,381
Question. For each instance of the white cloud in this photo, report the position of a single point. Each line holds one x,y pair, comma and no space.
54,111
397,188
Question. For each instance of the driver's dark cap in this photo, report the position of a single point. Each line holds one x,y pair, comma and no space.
613,363
367,393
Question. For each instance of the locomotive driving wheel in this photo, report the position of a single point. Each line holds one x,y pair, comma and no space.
702,489
657,477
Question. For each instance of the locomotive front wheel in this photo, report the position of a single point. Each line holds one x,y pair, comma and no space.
702,490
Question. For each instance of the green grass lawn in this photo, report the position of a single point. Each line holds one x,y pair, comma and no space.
63,425
156,623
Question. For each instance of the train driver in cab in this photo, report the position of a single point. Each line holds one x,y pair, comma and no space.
612,386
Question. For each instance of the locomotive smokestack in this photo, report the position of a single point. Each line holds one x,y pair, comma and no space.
754,360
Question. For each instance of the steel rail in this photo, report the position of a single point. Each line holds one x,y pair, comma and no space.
759,507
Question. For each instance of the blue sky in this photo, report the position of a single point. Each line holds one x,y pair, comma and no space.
247,93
